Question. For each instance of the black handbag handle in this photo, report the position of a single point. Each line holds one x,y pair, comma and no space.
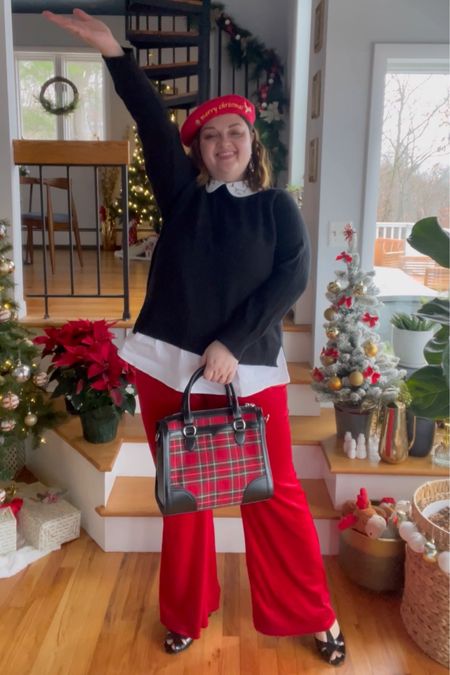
186,405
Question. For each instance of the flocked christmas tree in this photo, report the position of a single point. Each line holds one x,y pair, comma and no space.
356,368
25,411
142,207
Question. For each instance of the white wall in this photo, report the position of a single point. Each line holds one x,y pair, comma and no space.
352,28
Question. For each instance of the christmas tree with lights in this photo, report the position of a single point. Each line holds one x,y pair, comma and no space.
356,369
143,210
25,411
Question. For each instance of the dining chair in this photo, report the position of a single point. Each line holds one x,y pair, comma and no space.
54,221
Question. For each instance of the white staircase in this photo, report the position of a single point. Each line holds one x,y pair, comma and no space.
113,483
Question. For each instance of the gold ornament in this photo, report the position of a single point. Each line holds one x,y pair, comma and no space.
356,378
370,349
2,495
327,360
334,287
330,314
6,365
30,419
335,383
430,552
4,266
2,230
11,491
332,332
359,289
11,266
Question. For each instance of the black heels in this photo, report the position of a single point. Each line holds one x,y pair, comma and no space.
174,643
333,649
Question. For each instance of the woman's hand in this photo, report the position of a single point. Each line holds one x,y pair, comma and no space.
220,364
92,31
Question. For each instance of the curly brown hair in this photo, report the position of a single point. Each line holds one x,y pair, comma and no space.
258,174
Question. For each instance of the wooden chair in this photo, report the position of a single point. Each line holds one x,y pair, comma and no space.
32,220
389,252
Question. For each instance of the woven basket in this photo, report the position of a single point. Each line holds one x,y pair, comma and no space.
425,602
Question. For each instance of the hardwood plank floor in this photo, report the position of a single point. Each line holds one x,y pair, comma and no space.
81,611
85,281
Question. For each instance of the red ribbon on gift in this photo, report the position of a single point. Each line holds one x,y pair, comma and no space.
15,505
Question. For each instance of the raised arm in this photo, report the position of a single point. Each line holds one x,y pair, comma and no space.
168,167
92,31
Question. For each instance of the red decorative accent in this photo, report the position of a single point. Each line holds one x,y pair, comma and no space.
370,373
362,500
345,300
222,105
345,256
318,375
371,319
348,232
330,351
86,349
347,521
15,505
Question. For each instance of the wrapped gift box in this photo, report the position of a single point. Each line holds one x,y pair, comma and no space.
8,531
47,525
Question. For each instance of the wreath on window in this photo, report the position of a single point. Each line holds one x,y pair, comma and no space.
50,106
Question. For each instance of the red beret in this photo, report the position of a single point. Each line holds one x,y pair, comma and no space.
222,105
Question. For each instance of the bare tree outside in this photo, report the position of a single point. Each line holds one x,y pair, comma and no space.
414,168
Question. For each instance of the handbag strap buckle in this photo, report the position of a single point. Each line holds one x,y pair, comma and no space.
189,430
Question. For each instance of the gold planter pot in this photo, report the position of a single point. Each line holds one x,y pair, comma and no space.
376,564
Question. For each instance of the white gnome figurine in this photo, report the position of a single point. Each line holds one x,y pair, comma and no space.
361,452
352,450
347,441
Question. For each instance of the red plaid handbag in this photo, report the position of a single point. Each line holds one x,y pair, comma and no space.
211,458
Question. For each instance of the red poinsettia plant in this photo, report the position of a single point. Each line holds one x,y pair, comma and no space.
87,367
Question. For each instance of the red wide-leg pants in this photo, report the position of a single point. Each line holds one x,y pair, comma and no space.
287,578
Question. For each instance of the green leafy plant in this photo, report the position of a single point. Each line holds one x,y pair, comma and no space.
413,322
430,385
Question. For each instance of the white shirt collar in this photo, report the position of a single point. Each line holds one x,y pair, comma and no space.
238,188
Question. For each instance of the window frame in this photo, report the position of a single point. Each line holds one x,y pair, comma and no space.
389,57
60,56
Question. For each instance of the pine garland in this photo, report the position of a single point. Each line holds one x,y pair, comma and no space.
265,65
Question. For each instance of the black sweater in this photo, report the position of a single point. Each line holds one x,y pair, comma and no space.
224,268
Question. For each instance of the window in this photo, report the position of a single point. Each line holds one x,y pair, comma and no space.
85,70
407,168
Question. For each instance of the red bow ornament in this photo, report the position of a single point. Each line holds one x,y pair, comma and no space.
344,256
345,300
371,319
370,373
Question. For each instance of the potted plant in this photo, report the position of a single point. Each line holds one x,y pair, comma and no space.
410,334
90,373
357,373
429,386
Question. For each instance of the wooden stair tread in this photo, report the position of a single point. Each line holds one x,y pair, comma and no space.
102,455
305,431
413,466
135,497
312,429
300,373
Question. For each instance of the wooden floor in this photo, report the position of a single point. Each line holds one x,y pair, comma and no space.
85,281
81,611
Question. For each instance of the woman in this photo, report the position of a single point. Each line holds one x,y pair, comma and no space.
232,258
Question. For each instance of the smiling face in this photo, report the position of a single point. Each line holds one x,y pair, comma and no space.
226,147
